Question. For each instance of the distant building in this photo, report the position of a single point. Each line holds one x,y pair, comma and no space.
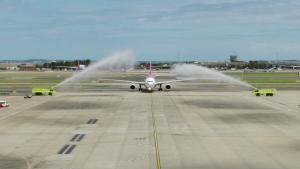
235,63
27,67
81,67
292,67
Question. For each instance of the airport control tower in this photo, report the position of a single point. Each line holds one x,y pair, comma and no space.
233,58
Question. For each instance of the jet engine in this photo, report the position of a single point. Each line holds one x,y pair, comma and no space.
168,86
132,87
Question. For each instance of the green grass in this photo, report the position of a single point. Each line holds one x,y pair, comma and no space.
18,80
51,78
262,74
267,80
24,86
266,77
33,77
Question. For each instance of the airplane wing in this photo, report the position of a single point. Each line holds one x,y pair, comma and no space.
183,80
126,81
177,80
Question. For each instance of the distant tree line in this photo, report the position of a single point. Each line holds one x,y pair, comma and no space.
74,63
237,65
259,65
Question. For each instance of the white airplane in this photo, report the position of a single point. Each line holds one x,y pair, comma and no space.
149,84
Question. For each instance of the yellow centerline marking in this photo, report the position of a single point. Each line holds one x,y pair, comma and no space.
155,137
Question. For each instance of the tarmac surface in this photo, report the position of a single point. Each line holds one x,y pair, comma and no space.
209,129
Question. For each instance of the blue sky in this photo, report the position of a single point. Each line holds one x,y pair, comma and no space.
155,30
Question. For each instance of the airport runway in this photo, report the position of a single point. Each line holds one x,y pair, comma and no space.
115,129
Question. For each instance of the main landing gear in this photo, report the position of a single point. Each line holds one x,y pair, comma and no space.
160,88
140,87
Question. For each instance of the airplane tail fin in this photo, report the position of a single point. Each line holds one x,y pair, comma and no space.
150,70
